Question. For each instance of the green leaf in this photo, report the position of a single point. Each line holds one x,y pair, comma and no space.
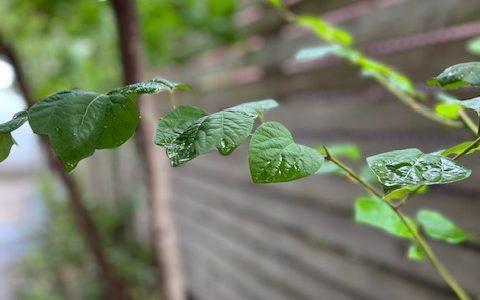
458,76
6,143
457,149
276,3
325,31
375,212
273,156
473,104
255,108
224,130
152,86
447,110
18,120
416,253
78,122
349,151
175,122
439,227
376,69
399,193
473,46
412,167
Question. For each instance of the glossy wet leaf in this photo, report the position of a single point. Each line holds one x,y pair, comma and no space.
273,156
413,167
416,253
325,31
175,122
375,212
224,130
457,149
78,122
437,226
152,86
458,76
6,143
18,120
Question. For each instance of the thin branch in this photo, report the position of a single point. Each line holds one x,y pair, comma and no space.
113,285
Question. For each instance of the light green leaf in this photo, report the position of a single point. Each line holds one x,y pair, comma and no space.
375,212
412,167
439,227
457,149
255,108
397,193
349,151
326,31
78,122
273,156
473,46
276,3
458,76
18,120
6,143
175,122
447,110
152,86
416,253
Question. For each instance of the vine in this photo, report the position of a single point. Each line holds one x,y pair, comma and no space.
78,122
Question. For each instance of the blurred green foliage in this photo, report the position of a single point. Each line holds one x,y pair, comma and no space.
68,44
59,246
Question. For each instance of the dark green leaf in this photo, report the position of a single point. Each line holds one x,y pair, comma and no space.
458,76
440,227
18,120
224,130
325,31
78,122
6,143
377,213
412,167
416,253
273,156
175,122
152,86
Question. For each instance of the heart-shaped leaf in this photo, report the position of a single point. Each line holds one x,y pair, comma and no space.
375,212
152,86
255,108
273,156
412,167
78,122
458,76
6,143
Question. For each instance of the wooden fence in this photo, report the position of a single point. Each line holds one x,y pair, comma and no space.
298,240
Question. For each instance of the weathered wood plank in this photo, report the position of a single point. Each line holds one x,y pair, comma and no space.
345,271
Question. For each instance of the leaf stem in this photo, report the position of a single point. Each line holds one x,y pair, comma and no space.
173,99
468,123
466,150
419,240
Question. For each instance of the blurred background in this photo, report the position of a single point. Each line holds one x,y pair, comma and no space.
236,240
